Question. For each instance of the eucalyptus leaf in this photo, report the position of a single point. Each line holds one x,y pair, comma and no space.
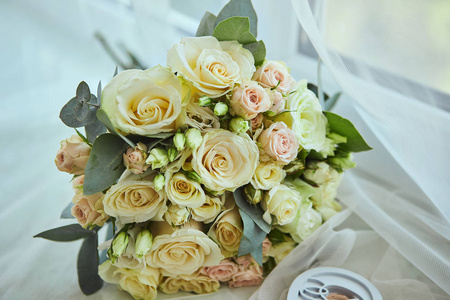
99,92
342,126
252,239
94,129
234,29
83,93
103,117
87,266
109,235
67,212
66,233
80,111
239,8
105,164
258,50
206,26
257,254
254,212
75,114
116,71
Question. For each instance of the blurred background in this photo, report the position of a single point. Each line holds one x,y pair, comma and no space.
49,46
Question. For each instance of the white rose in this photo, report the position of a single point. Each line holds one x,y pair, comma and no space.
209,210
210,66
198,283
324,200
225,160
141,284
135,200
201,117
306,118
185,192
176,215
181,251
144,102
268,175
227,231
282,202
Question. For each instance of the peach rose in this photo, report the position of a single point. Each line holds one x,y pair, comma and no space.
278,101
256,122
249,100
134,159
77,184
88,210
274,74
250,273
223,271
279,142
73,155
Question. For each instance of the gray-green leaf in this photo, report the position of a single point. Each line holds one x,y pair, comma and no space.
206,26
254,212
67,212
75,114
103,117
83,93
234,29
105,164
342,126
94,129
258,50
252,238
239,8
67,233
87,266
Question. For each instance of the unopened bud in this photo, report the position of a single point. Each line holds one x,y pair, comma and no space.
179,140
172,153
158,158
159,181
220,109
239,125
204,101
252,195
193,138
194,176
119,245
144,241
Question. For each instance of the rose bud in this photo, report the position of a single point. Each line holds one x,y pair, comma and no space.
144,241
204,101
179,140
252,195
239,125
119,244
220,109
193,138
159,182
172,153
158,158
73,155
134,159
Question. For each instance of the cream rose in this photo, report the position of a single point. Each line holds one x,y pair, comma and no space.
267,175
185,192
135,200
141,284
144,102
275,74
182,251
227,232
73,155
176,215
283,203
225,160
209,210
88,210
250,99
309,123
279,142
210,66
198,283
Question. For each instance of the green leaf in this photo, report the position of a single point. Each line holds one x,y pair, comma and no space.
234,29
75,114
105,164
239,8
87,266
313,154
67,212
103,117
206,26
254,212
277,237
253,236
83,137
342,126
67,233
258,50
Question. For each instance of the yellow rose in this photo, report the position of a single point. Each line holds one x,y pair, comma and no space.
181,251
185,192
209,210
283,203
227,232
144,102
225,160
210,66
268,175
198,283
141,284
135,200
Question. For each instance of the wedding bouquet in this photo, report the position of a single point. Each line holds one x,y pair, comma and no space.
209,170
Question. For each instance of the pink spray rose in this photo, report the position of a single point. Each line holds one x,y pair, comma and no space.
134,159
274,74
278,101
223,271
73,155
279,142
256,122
88,210
250,273
249,100
77,184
